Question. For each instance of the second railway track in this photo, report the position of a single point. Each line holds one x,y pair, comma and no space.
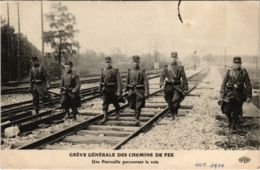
8,89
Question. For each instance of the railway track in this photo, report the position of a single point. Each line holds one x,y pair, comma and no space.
23,117
113,133
89,79
27,105
9,112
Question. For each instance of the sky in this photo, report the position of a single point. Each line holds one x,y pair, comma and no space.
140,27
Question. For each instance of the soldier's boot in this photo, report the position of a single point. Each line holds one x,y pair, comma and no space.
36,111
67,113
173,112
117,114
229,121
75,112
177,109
236,122
137,115
105,117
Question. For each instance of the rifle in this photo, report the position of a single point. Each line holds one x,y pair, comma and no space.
120,99
68,91
175,86
136,86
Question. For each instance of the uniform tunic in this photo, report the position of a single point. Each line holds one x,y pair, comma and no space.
235,88
176,83
137,87
38,81
110,87
71,98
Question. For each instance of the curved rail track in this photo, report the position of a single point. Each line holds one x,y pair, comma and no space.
113,133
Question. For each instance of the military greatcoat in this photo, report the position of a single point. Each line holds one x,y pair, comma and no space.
110,87
137,87
235,89
38,81
70,90
176,83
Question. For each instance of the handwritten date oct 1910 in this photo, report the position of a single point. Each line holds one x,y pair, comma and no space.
209,165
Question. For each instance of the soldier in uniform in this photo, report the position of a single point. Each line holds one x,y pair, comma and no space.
137,87
176,84
70,91
235,89
110,87
39,84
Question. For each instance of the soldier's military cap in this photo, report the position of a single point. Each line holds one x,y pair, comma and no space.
174,55
136,58
34,58
108,59
237,59
69,63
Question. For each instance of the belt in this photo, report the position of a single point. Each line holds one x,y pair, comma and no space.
173,83
108,84
37,81
136,86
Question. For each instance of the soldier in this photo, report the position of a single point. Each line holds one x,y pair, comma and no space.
70,91
137,87
110,87
235,89
39,84
175,88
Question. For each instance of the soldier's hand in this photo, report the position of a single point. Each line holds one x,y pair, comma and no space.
248,100
124,93
220,101
161,86
185,92
48,86
118,94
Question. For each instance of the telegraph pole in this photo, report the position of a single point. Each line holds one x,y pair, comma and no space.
8,43
194,59
42,30
19,44
225,59
256,64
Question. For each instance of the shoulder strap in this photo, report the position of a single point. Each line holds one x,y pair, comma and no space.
243,72
169,69
232,74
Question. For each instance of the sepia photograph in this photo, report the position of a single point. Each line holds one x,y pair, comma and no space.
130,79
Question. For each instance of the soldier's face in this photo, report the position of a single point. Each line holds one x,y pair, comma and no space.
68,68
136,63
108,64
174,60
35,63
237,65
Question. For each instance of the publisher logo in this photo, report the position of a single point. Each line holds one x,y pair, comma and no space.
244,159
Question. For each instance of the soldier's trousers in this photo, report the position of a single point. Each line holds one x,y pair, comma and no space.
173,98
70,101
39,93
233,106
110,98
136,99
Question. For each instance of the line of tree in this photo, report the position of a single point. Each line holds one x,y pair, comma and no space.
9,52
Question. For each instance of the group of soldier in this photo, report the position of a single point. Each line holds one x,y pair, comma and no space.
235,89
